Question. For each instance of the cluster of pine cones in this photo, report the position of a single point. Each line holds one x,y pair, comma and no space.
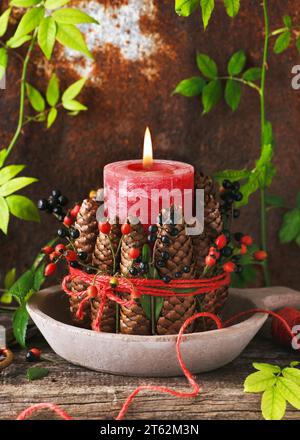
177,255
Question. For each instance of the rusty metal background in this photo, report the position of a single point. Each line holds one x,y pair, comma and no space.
142,49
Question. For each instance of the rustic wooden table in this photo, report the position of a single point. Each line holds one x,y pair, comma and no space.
86,394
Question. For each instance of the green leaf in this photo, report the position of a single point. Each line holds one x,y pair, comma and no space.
282,42
20,323
264,169
232,94
232,7
3,61
46,36
52,115
13,42
73,105
267,367
273,404
290,227
231,175
211,95
15,185
10,278
68,35
190,87
207,66
259,381
35,98
268,134
9,172
4,19
236,63
4,215
30,20
292,374
24,3
243,279
52,93
3,153
252,74
298,44
298,200
287,21
294,364
290,391
249,188
35,373
207,7
23,208
73,90
185,8
72,16
39,277
145,302
22,286
159,302
274,201
54,4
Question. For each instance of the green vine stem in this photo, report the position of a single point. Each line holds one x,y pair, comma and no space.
264,230
243,81
22,96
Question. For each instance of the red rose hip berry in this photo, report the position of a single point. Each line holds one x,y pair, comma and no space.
50,269
104,227
68,221
71,255
47,250
229,267
74,211
210,260
247,240
221,241
243,249
60,248
92,291
126,228
260,255
134,253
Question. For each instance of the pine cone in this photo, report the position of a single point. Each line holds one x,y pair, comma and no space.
87,225
76,285
212,302
103,256
174,259
108,318
133,321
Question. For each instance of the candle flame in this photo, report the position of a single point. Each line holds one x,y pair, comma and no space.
148,151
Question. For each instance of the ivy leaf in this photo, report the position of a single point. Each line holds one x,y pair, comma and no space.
46,36
185,8
267,367
24,3
252,74
207,7
15,185
232,7
52,93
287,21
290,227
290,391
22,286
4,18
211,95
236,63
232,94
273,404
35,98
274,201
231,175
73,90
14,42
9,172
292,374
68,35
72,16
259,381
52,115
30,20
3,61
207,66
23,208
20,323
54,4
35,373
74,105
282,42
190,87
4,215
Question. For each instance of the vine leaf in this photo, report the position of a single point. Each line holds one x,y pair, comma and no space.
232,94
9,280
4,215
23,208
232,7
282,42
273,404
24,3
207,66
3,61
252,74
266,367
74,106
185,8
72,16
290,391
259,381
4,18
52,92
190,87
52,115
298,44
30,20
16,184
207,7
35,373
211,95
292,374
15,42
20,323
9,172
236,63
54,4
35,98
274,201
290,228
46,36
73,90
231,175
287,20
68,35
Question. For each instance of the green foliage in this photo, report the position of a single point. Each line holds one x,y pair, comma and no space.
237,63
3,61
72,16
233,94
290,228
47,35
279,387
190,87
186,7
35,373
9,279
211,95
282,42
68,35
232,7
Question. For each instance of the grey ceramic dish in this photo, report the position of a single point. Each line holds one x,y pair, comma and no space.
153,355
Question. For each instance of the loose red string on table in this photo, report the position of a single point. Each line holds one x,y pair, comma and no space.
195,386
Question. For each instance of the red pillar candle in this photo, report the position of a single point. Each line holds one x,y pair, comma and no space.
142,187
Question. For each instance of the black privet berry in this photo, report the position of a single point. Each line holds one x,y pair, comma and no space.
236,213
165,255
62,232
239,268
238,196
57,210
226,251
174,232
178,275
31,357
166,279
62,200
74,264
186,269
133,271
42,204
161,263
165,239
236,186
153,229
56,193
90,270
227,184
82,255
52,202
74,233
238,236
151,238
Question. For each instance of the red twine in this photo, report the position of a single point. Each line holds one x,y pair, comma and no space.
280,317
